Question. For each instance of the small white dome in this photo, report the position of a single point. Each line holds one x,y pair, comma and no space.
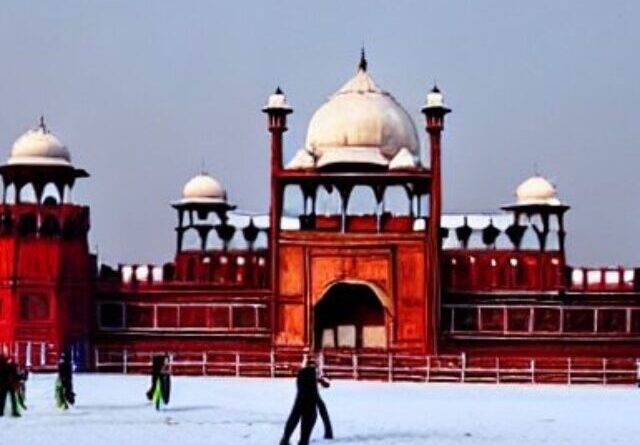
359,118
39,146
204,189
537,190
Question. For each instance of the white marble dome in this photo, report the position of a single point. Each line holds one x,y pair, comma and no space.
360,123
204,189
39,146
537,190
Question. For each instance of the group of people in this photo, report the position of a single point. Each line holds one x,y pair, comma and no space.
13,385
306,406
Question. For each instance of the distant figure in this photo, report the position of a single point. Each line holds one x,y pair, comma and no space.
64,384
23,376
10,383
305,406
157,361
4,381
160,390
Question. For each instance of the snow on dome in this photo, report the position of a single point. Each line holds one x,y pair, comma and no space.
403,160
537,190
39,146
301,160
203,189
360,123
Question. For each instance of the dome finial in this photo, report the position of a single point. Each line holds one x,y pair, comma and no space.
42,125
362,66
203,167
277,101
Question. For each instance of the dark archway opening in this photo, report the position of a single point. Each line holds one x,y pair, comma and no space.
349,316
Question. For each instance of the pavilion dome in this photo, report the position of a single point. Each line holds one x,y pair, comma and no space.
39,146
537,190
204,189
360,123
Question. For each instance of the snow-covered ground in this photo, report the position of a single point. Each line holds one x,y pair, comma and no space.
112,409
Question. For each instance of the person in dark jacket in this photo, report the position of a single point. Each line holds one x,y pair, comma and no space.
9,386
162,390
23,376
305,406
64,385
157,363
4,381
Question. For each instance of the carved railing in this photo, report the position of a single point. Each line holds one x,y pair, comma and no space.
382,366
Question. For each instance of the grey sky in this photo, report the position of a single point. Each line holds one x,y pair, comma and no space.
142,91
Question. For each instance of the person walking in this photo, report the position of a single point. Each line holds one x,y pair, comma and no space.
305,405
161,381
23,376
157,361
64,384
4,381
9,385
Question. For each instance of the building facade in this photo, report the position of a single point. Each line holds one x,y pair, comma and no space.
354,255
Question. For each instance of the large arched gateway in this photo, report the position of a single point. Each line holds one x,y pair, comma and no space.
350,315
353,271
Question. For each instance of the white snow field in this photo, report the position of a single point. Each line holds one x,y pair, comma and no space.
112,409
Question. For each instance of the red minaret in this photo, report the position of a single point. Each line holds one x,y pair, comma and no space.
435,111
277,110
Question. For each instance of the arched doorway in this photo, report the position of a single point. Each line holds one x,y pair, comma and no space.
350,315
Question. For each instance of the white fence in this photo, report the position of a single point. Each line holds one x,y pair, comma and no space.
33,355
382,366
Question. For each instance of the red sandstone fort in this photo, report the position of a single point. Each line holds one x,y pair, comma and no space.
354,261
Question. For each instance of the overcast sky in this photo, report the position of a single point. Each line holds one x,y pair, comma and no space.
141,92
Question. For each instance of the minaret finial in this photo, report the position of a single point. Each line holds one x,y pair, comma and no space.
278,90
203,170
363,60
42,124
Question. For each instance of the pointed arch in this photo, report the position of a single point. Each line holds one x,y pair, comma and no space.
396,200
362,201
